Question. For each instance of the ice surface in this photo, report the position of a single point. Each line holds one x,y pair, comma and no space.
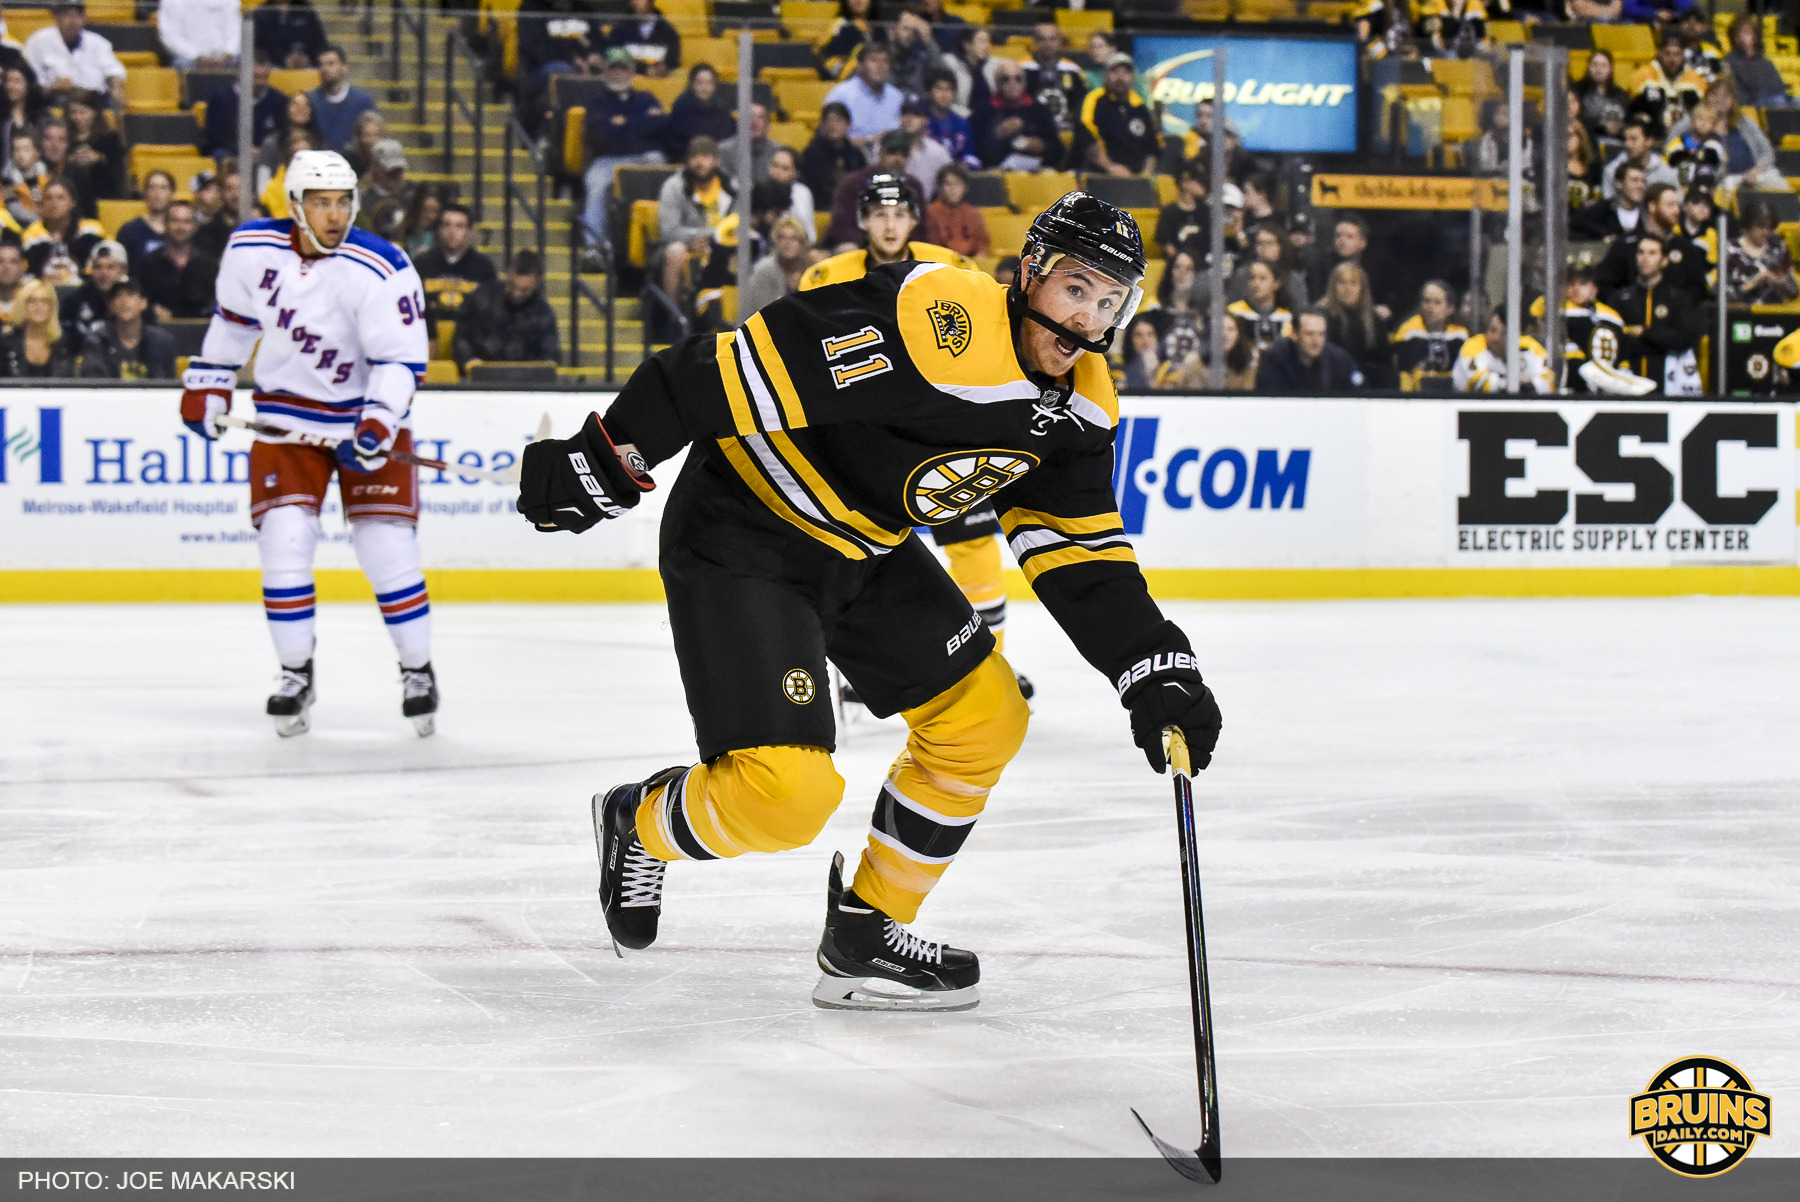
1474,870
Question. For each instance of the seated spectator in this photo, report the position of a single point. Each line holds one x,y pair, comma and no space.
1704,53
143,234
1117,128
1263,312
762,147
1352,323
1427,343
556,37
201,34
24,177
370,128
70,57
1259,203
1665,88
508,320
1748,157
12,282
653,43
1754,78
268,113
1014,132
1759,267
289,32
625,125
273,198
928,156
944,123
784,168
1183,367
1662,220
60,240
1099,51
872,102
1602,101
385,182
1584,168
1268,246
215,209
1184,297
950,220
337,103
973,64
777,274
272,153
87,309
1481,364
177,278
1619,213
1349,244
125,347
1184,223
21,107
914,53
699,112
418,227
96,154
1663,323
53,148
853,27
1052,79
692,202
1306,362
946,28
1143,354
831,155
34,348
1242,359
1640,151
845,230
1486,153
452,268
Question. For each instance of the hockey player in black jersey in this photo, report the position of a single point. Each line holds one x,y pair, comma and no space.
820,435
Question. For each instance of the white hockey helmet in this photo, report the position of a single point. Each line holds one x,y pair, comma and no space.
319,170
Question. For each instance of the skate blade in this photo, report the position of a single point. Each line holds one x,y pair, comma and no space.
875,993
425,725
287,726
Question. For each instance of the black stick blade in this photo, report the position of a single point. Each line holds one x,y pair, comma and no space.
1202,1164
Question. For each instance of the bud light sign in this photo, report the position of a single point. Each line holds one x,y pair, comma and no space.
1282,94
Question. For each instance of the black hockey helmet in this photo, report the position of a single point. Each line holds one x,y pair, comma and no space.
884,189
1096,234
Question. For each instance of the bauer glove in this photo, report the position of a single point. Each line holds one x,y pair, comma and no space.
573,483
1162,687
366,450
205,398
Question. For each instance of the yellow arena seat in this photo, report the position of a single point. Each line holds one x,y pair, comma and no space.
803,95
289,81
574,140
153,90
667,88
179,161
1035,191
115,213
1465,76
442,371
1625,41
21,23
1006,231
1079,23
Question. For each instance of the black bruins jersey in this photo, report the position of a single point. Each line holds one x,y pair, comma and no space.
1426,360
856,412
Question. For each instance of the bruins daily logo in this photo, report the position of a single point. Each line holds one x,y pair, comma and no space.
948,485
1700,1116
799,687
950,322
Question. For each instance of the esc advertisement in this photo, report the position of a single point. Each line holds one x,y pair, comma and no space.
113,480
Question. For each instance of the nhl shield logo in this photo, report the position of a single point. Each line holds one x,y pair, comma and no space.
948,485
950,323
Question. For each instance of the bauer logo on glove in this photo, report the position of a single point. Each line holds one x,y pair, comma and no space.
575,483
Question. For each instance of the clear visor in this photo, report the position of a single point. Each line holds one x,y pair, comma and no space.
1108,299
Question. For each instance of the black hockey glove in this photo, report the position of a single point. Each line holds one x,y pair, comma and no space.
1163,688
573,483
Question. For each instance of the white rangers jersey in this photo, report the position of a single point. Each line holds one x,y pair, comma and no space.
339,334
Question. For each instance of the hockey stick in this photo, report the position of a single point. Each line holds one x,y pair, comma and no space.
510,476
1205,1158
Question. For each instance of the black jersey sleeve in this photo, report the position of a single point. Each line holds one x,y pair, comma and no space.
1063,525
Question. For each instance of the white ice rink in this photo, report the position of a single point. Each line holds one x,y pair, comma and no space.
1473,870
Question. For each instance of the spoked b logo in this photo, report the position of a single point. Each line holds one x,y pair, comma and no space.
1700,1116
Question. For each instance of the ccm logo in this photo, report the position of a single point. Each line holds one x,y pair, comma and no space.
579,462
962,636
1169,662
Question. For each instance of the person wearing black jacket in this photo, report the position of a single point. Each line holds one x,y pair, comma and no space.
1686,264
654,44
1663,322
87,309
1015,132
268,113
831,155
289,32
126,347
178,278
1623,213
508,320
451,268
96,154
1307,362
624,125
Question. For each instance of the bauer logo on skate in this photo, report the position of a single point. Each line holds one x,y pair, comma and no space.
1700,1116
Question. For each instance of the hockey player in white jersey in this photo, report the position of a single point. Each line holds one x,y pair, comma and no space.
340,318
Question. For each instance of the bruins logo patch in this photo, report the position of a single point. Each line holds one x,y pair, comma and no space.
941,488
799,687
950,323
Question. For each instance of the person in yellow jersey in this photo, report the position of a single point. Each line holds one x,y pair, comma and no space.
889,212
1481,364
819,435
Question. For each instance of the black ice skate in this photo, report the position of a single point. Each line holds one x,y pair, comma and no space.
1027,690
631,879
872,962
291,700
419,698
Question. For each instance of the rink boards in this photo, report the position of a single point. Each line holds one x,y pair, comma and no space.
105,496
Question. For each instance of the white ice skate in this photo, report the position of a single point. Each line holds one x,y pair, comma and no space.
292,700
419,698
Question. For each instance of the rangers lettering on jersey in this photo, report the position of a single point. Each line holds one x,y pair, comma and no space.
339,334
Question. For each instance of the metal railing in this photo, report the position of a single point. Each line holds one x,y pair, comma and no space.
512,193
405,21
580,289
476,111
